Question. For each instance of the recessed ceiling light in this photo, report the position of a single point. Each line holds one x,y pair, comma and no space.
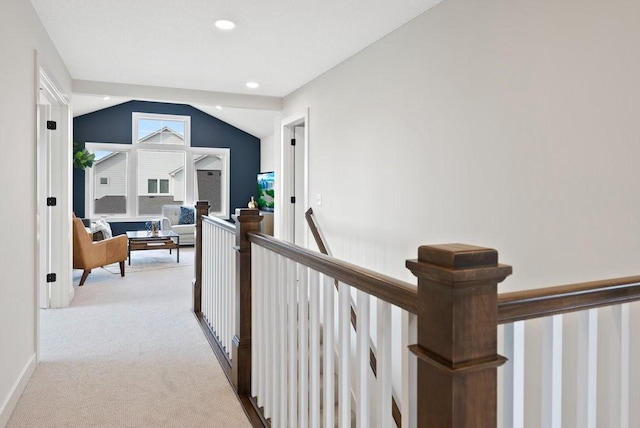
225,24
252,85
219,107
106,98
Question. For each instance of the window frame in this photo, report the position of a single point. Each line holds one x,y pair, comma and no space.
132,178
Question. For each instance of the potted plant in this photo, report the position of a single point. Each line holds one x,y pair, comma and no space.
81,157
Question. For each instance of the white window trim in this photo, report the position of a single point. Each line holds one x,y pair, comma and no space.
132,162
225,158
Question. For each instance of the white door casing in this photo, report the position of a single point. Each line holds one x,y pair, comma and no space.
293,180
55,244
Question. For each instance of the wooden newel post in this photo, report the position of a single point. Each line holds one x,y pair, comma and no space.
248,222
457,335
202,208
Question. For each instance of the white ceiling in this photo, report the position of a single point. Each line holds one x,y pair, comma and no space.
173,43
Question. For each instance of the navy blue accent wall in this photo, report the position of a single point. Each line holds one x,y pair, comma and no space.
114,125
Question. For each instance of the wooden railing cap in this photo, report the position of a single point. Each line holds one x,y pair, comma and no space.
458,256
248,214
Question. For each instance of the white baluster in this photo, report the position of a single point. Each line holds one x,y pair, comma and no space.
255,334
209,268
261,322
224,303
209,264
232,280
328,342
409,400
282,342
514,375
552,372
303,313
203,281
587,368
217,280
383,365
620,367
314,344
270,301
363,337
292,306
344,375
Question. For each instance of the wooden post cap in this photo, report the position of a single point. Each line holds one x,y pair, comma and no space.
248,214
458,263
458,256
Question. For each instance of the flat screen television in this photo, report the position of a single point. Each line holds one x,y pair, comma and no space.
266,190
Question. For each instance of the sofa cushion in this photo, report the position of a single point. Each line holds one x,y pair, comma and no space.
172,213
187,215
182,229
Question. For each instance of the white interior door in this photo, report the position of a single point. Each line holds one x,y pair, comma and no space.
293,180
299,208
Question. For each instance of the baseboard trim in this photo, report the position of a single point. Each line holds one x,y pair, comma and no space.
17,390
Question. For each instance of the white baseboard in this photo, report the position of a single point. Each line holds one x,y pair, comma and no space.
17,390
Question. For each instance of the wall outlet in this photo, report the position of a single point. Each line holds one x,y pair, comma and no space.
318,199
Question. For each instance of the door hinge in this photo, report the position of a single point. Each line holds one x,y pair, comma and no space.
293,199
293,141
51,277
52,202
52,125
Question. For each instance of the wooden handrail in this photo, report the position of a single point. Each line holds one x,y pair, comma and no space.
315,231
544,302
391,290
228,226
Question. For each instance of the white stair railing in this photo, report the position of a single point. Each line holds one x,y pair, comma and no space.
218,280
310,368
301,326
594,403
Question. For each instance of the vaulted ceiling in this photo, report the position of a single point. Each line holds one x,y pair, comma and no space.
280,45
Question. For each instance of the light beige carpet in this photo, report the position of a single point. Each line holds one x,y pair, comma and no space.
127,353
154,259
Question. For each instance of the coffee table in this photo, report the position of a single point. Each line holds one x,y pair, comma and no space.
161,240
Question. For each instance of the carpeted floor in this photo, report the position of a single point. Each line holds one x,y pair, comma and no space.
128,353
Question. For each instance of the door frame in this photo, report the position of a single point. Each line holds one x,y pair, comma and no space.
285,211
54,149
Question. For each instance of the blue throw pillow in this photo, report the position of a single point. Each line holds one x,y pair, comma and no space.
187,215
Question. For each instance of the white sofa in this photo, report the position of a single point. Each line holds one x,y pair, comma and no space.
171,221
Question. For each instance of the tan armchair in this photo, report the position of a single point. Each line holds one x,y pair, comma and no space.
88,254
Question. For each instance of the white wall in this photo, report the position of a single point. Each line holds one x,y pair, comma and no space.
267,154
511,125
21,33
493,123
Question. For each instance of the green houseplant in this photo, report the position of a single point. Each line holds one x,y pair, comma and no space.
81,157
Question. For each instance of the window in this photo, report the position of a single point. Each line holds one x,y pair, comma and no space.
159,168
152,186
111,167
164,186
